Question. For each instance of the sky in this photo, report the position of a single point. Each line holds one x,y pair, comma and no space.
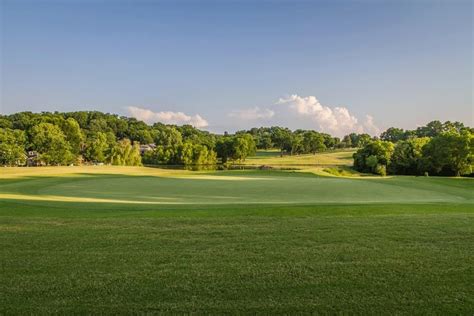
333,66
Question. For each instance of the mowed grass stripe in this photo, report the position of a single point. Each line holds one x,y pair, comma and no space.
245,187
368,264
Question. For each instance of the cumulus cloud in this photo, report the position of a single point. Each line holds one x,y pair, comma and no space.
369,126
166,117
253,114
336,120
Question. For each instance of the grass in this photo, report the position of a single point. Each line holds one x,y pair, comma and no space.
122,240
329,158
333,162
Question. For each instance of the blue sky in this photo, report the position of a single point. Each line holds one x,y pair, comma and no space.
334,66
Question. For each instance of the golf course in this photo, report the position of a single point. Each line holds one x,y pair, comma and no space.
122,240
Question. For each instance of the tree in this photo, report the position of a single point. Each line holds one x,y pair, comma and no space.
125,154
282,138
239,148
168,136
265,142
243,146
186,153
203,156
97,147
162,155
224,148
313,142
346,142
12,147
393,135
5,122
450,153
98,125
73,134
374,157
363,139
407,156
431,129
50,142
22,120
236,148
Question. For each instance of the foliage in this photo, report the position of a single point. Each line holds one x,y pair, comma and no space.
73,134
187,154
374,157
312,142
393,135
12,147
51,144
97,147
431,129
235,148
125,154
96,137
407,156
450,153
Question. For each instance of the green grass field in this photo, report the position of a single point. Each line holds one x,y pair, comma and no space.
273,157
122,240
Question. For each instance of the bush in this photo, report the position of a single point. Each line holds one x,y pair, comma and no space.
381,170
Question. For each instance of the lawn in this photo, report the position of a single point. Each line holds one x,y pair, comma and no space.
121,240
342,157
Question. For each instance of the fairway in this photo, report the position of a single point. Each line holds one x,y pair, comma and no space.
340,157
121,185
146,240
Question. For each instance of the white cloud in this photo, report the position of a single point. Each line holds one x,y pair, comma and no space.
253,114
336,120
166,117
369,126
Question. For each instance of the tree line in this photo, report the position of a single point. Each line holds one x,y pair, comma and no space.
63,138
94,137
445,149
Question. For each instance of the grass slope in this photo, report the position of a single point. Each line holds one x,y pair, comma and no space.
117,240
329,158
329,163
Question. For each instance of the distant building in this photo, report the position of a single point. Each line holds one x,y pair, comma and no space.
146,147
33,159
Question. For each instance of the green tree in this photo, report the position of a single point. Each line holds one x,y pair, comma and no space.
346,142
50,142
203,156
363,139
168,136
313,142
393,135
265,142
187,153
97,147
450,153
12,147
282,138
243,146
125,154
407,156
373,156
431,129
224,148
5,122
73,134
